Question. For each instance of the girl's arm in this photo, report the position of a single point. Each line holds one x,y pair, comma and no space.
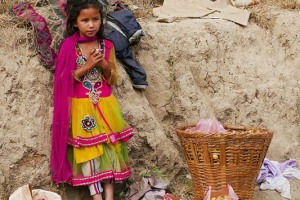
112,62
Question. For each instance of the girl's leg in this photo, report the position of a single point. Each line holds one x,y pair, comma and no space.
88,169
96,191
97,197
109,191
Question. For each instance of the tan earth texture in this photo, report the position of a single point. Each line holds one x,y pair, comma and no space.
197,68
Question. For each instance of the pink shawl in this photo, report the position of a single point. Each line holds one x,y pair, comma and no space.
63,92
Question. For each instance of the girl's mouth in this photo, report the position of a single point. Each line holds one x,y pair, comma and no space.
90,32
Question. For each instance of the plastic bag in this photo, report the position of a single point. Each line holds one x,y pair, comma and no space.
169,197
38,194
226,194
207,126
26,193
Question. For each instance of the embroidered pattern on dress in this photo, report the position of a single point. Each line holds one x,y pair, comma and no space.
92,80
81,60
88,123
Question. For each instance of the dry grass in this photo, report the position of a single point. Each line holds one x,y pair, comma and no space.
6,5
15,34
14,31
283,4
263,16
142,8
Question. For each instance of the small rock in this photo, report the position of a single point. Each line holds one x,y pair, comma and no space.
188,176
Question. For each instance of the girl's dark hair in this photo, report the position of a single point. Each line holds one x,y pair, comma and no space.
73,9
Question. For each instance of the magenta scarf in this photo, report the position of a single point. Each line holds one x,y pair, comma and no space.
63,92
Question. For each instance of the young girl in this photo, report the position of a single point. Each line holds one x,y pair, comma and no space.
88,127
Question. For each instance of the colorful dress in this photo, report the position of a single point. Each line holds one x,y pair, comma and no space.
98,130
88,129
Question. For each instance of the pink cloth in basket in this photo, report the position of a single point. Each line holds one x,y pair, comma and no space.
211,125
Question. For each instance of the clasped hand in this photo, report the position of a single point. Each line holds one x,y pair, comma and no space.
95,58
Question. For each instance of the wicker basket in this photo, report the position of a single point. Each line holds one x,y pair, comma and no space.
217,159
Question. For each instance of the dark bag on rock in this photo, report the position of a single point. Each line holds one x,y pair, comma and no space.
123,30
126,24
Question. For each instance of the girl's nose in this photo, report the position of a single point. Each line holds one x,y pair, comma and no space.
91,24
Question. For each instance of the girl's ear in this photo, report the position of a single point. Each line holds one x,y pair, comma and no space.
75,25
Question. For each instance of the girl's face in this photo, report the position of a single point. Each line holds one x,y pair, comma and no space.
88,22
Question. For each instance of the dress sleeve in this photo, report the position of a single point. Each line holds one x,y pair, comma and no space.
112,62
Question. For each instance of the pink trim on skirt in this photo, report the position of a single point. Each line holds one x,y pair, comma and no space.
102,176
87,142
77,142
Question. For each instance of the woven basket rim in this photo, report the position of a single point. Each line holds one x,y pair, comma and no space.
257,132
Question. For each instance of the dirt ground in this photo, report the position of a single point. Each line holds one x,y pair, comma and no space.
197,68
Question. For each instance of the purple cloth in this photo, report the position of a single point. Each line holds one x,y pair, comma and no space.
289,163
63,92
269,169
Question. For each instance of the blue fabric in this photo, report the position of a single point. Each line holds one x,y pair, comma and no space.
126,21
132,67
